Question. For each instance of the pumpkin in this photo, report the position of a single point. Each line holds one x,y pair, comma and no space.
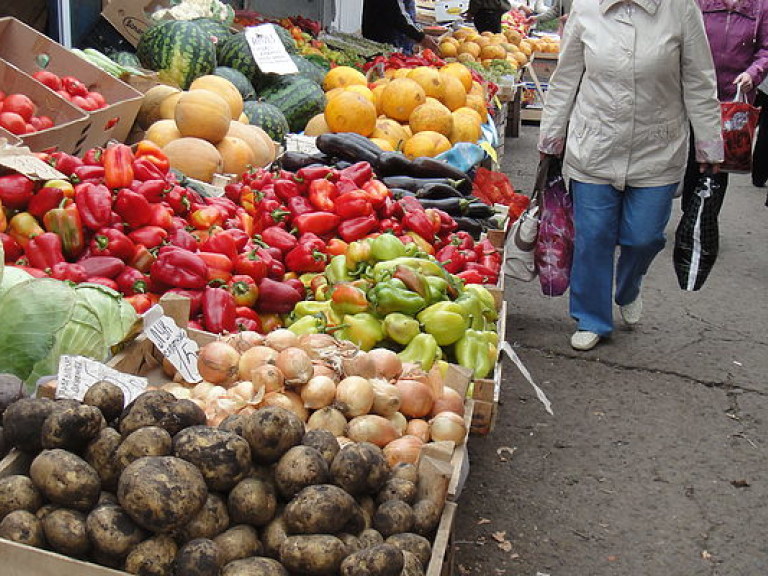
351,112
203,114
401,97
391,131
458,70
149,112
343,76
236,155
317,125
431,117
162,132
454,95
195,157
465,128
385,145
429,79
223,88
168,106
426,144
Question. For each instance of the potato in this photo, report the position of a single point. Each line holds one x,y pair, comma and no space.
405,471
324,442
18,492
199,557
312,555
153,557
273,536
23,527
23,420
360,468
224,458
107,498
264,473
66,533
238,542
11,389
45,510
321,509
149,441
106,560
368,505
209,522
254,567
107,397
383,560
370,538
112,532
358,521
413,543
100,454
72,428
393,517
66,479
351,542
233,423
300,467
161,493
397,489
271,432
412,565
153,408
185,413
252,502
426,517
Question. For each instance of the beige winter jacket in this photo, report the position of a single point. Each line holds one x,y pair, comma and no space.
631,76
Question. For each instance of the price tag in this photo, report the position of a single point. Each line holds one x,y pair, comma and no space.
21,160
175,345
301,143
78,373
268,51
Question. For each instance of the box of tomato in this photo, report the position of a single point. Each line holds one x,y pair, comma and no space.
33,52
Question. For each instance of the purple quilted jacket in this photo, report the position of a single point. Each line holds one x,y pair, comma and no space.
738,39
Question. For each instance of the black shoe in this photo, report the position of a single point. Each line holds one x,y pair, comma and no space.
758,182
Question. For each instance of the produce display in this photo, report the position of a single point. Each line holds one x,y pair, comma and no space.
18,115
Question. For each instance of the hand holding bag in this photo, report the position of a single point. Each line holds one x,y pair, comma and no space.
521,241
739,125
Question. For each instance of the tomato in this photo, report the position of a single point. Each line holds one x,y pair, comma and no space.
64,94
48,78
98,99
29,128
13,123
45,122
74,86
83,103
20,104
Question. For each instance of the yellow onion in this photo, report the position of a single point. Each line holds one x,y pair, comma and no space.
217,362
253,358
288,400
201,390
243,390
386,363
296,366
354,396
419,428
267,378
399,422
181,392
415,398
319,392
322,369
386,398
328,419
281,339
372,428
316,344
245,340
404,449
450,401
448,426
359,364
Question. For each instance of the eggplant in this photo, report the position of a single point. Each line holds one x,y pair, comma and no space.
472,225
437,191
426,167
453,206
479,210
392,164
345,147
293,161
416,184
400,192
342,164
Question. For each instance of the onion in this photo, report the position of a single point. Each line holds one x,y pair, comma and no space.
244,340
450,401
448,426
288,400
405,449
255,357
218,362
386,398
386,363
168,368
372,428
354,396
181,392
268,378
435,380
296,366
281,339
328,419
319,392
316,344
243,390
360,364
415,398
216,410
215,393
200,391
419,428
322,369
399,422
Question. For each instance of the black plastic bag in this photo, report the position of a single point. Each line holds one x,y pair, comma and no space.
697,236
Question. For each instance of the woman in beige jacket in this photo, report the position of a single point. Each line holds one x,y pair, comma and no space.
632,74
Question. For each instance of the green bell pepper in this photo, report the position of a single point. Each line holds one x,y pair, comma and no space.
486,299
386,247
363,330
385,270
401,328
473,309
306,279
309,308
473,352
314,324
446,326
438,289
337,271
386,297
423,349
358,255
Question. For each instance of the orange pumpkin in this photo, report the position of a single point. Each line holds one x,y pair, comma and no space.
401,97
203,114
351,112
195,157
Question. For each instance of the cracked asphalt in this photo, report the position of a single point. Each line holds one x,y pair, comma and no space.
654,462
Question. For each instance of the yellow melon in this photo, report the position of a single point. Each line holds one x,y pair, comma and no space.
493,52
470,48
236,155
333,93
377,98
149,113
478,104
429,79
426,144
513,36
459,71
402,73
244,133
195,157
350,112
471,111
385,145
202,114
243,118
401,97
317,125
431,117
391,131
364,91
162,132
448,50
168,105
465,128
343,76
223,88
379,82
454,94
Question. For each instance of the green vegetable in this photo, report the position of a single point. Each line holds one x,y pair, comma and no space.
239,80
387,247
401,328
362,329
446,326
298,98
386,298
267,117
473,351
11,276
216,30
308,69
423,349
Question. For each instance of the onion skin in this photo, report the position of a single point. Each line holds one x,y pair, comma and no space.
449,401
218,362
360,364
354,396
399,422
448,426
296,366
415,398
387,364
288,400
316,344
419,428
244,340
372,428
267,377
318,393
322,369
255,357
328,419
405,449
281,339
386,398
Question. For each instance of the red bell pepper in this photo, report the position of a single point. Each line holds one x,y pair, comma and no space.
245,324
151,152
13,250
104,266
490,276
149,236
221,243
130,281
352,205
44,251
118,166
45,199
419,222
251,264
225,204
377,192
179,199
64,163
65,221
195,298
176,267
311,173
359,173
141,302
160,216
279,238
108,282
247,312
270,212
94,202
322,194
462,239
22,227
244,290
345,185
269,322
390,209
240,237
94,157
285,189
154,190
451,258
69,272
304,258
277,297
299,205
219,267
258,178
296,284
218,310
111,242
434,217
391,225
16,191
473,277
183,239
233,190
144,169
92,174
206,217
34,272
275,266
357,228
132,207
336,247
319,223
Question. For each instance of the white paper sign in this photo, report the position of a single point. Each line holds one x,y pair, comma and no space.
78,373
268,51
175,345
301,143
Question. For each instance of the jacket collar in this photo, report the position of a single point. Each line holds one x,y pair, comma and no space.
649,6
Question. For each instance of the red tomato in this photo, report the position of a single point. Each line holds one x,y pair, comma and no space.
48,78
83,103
20,104
74,86
64,94
13,122
45,122
98,99
30,128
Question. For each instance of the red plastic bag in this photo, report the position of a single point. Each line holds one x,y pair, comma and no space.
495,188
739,124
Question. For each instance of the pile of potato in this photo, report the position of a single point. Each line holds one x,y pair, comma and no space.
152,490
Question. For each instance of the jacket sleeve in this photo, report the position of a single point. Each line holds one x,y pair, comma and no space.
759,68
406,24
545,13
700,87
563,88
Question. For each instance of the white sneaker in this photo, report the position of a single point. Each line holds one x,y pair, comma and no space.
584,340
631,312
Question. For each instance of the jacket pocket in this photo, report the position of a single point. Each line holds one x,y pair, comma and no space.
588,145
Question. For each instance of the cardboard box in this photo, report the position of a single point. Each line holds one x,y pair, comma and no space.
31,51
70,123
8,139
129,17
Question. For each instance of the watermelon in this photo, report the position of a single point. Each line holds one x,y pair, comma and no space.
267,117
237,78
235,53
178,50
216,30
298,98
126,59
308,69
286,39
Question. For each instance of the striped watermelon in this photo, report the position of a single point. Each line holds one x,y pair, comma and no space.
237,78
286,39
179,51
267,117
308,69
216,30
298,98
235,53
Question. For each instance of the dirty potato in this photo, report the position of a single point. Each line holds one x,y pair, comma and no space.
112,532
253,502
107,397
66,479
426,517
238,542
325,443
321,509
66,533
18,492
199,557
149,441
24,527
271,432
397,489
100,454
23,421
152,557
312,554
393,517
413,543
72,428
209,522
224,458
383,560
360,468
298,468
254,567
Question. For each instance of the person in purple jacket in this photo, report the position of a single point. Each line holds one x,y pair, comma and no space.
738,38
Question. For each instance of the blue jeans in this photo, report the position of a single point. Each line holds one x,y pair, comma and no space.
604,217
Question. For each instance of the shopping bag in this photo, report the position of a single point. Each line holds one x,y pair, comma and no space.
553,253
697,235
739,124
519,261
